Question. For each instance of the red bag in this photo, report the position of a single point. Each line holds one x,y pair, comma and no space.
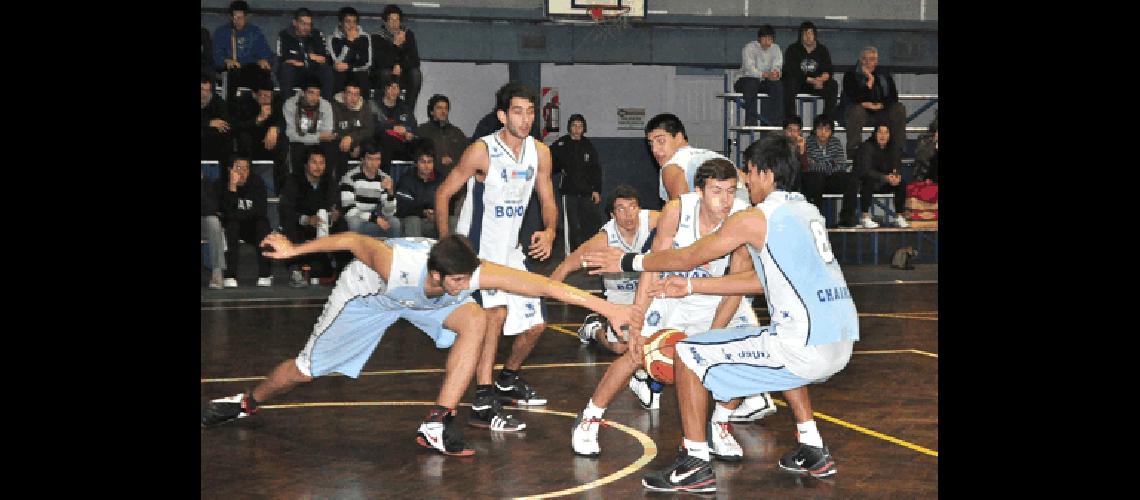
922,201
923,190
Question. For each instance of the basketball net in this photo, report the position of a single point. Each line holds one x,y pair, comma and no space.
608,19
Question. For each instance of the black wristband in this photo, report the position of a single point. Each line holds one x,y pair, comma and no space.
627,262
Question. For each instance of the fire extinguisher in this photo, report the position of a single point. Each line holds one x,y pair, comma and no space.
550,115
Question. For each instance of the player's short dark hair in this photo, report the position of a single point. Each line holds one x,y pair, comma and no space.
775,152
823,120
510,91
790,119
667,122
345,12
434,99
624,191
239,5
302,12
390,8
453,254
718,169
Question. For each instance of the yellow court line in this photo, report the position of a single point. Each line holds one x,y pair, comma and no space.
556,327
869,432
649,448
420,370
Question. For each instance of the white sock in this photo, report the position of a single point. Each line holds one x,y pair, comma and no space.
699,449
593,411
809,435
720,413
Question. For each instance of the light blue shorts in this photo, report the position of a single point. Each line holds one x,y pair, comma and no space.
346,333
737,362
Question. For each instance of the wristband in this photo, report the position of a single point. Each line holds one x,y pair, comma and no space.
627,262
690,285
637,263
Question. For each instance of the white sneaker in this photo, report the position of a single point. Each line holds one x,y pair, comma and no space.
216,279
230,282
314,281
721,443
753,408
869,223
590,327
639,384
584,438
435,435
266,281
901,222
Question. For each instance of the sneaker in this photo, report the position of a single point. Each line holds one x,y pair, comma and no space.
753,408
297,279
516,391
688,473
642,387
230,282
869,223
224,410
901,222
584,438
488,413
265,281
722,444
216,279
807,459
443,437
593,323
314,281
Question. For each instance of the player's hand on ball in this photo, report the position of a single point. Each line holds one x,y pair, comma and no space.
636,349
675,286
604,261
277,246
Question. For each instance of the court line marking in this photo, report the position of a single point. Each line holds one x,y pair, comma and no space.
418,370
263,306
648,447
869,432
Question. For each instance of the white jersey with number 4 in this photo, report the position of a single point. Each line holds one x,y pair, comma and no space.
492,212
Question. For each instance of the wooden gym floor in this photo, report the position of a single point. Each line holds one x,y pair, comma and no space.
342,438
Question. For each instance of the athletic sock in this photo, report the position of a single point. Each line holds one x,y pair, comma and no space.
720,413
592,411
437,413
699,449
809,435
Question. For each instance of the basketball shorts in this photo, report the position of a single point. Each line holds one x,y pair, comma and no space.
522,312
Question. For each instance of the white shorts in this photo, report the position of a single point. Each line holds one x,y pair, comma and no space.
692,318
522,312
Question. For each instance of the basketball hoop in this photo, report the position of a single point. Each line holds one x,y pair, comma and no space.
608,18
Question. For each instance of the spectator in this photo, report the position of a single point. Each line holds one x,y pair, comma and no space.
926,154
397,56
877,171
213,234
807,70
353,124
308,122
760,71
308,210
486,125
827,170
351,51
240,49
395,124
217,143
208,56
416,194
301,54
793,128
872,97
574,155
449,140
259,124
242,202
368,197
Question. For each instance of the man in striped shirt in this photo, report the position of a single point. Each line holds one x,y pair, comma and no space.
827,170
368,198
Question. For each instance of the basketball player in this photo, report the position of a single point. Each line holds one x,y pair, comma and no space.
679,162
500,171
427,283
814,321
631,229
682,222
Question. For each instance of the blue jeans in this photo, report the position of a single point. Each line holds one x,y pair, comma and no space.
773,110
370,228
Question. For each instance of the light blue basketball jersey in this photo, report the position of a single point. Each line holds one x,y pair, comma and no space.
807,295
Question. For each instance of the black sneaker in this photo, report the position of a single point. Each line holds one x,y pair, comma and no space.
807,459
443,437
688,473
224,410
515,390
487,413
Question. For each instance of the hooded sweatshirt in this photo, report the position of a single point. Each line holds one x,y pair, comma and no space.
304,125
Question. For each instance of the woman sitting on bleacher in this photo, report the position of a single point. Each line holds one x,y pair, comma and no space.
877,170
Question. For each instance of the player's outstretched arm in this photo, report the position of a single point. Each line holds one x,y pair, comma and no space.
495,276
573,262
745,226
371,251
473,161
745,283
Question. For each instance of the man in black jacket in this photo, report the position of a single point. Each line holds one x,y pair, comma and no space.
807,69
301,52
415,194
574,155
243,204
217,143
872,97
396,55
308,210
877,171
351,51
260,128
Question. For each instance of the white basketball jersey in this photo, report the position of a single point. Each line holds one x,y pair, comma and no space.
620,287
688,232
492,212
690,159
405,286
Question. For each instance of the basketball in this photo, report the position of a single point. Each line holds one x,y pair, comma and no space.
659,353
